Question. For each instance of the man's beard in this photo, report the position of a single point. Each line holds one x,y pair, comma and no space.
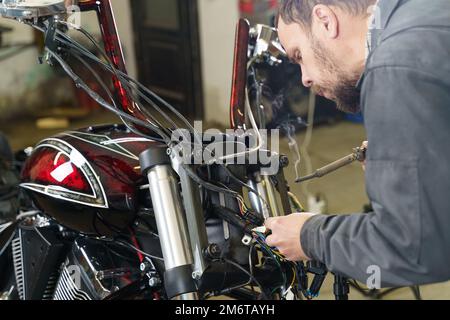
344,92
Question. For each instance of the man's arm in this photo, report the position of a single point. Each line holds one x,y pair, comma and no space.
406,175
407,236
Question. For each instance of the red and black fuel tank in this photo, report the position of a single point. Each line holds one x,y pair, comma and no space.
88,180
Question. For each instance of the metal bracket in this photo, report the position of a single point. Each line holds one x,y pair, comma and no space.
194,214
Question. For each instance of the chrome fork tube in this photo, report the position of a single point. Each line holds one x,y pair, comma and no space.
272,199
270,207
171,223
169,216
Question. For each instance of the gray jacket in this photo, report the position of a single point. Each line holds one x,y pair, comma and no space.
406,104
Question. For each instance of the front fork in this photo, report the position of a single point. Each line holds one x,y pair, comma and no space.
171,223
271,201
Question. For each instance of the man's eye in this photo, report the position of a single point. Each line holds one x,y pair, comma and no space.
298,58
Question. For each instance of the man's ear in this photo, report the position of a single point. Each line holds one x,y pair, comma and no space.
326,21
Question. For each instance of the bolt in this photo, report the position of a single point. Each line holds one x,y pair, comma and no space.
215,249
154,282
212,251
284,161
196,275
144,266
27,13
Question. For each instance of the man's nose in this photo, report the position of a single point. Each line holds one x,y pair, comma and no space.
306,80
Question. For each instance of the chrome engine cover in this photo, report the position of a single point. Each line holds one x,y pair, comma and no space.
95,269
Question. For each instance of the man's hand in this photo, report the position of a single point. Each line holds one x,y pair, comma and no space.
286,235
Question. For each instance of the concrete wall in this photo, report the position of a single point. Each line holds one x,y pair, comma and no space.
17,71
218,20
22,76
123,15
122,11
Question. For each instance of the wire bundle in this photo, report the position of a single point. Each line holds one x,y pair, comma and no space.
160,129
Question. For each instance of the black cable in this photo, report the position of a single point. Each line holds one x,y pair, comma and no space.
81,84
123,76
208,185
111,98
130,246
110,226
263,293
359,288
250,258
112,251
111,68
105,56
117,77
416,292
127,124
144,111
268,251
244,185
151,230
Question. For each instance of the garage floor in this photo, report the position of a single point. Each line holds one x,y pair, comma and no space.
343,190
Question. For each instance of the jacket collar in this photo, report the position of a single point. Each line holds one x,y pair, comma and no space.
383,13
385,10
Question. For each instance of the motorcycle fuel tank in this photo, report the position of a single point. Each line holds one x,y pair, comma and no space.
87,180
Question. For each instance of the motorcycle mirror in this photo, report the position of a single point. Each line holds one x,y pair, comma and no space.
33,9
267,42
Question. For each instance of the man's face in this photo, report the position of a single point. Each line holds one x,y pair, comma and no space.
321,69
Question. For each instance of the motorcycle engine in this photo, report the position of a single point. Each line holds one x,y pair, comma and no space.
94,270
49,267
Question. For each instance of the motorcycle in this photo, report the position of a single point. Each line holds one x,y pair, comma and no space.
125,211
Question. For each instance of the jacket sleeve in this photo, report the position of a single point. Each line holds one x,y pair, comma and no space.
407,237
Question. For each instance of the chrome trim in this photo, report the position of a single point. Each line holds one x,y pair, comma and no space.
98,199
17,254
104,142
67,289
170,220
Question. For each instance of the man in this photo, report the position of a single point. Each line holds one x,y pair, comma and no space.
399,76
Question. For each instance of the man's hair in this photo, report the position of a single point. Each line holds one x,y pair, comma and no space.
300,11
